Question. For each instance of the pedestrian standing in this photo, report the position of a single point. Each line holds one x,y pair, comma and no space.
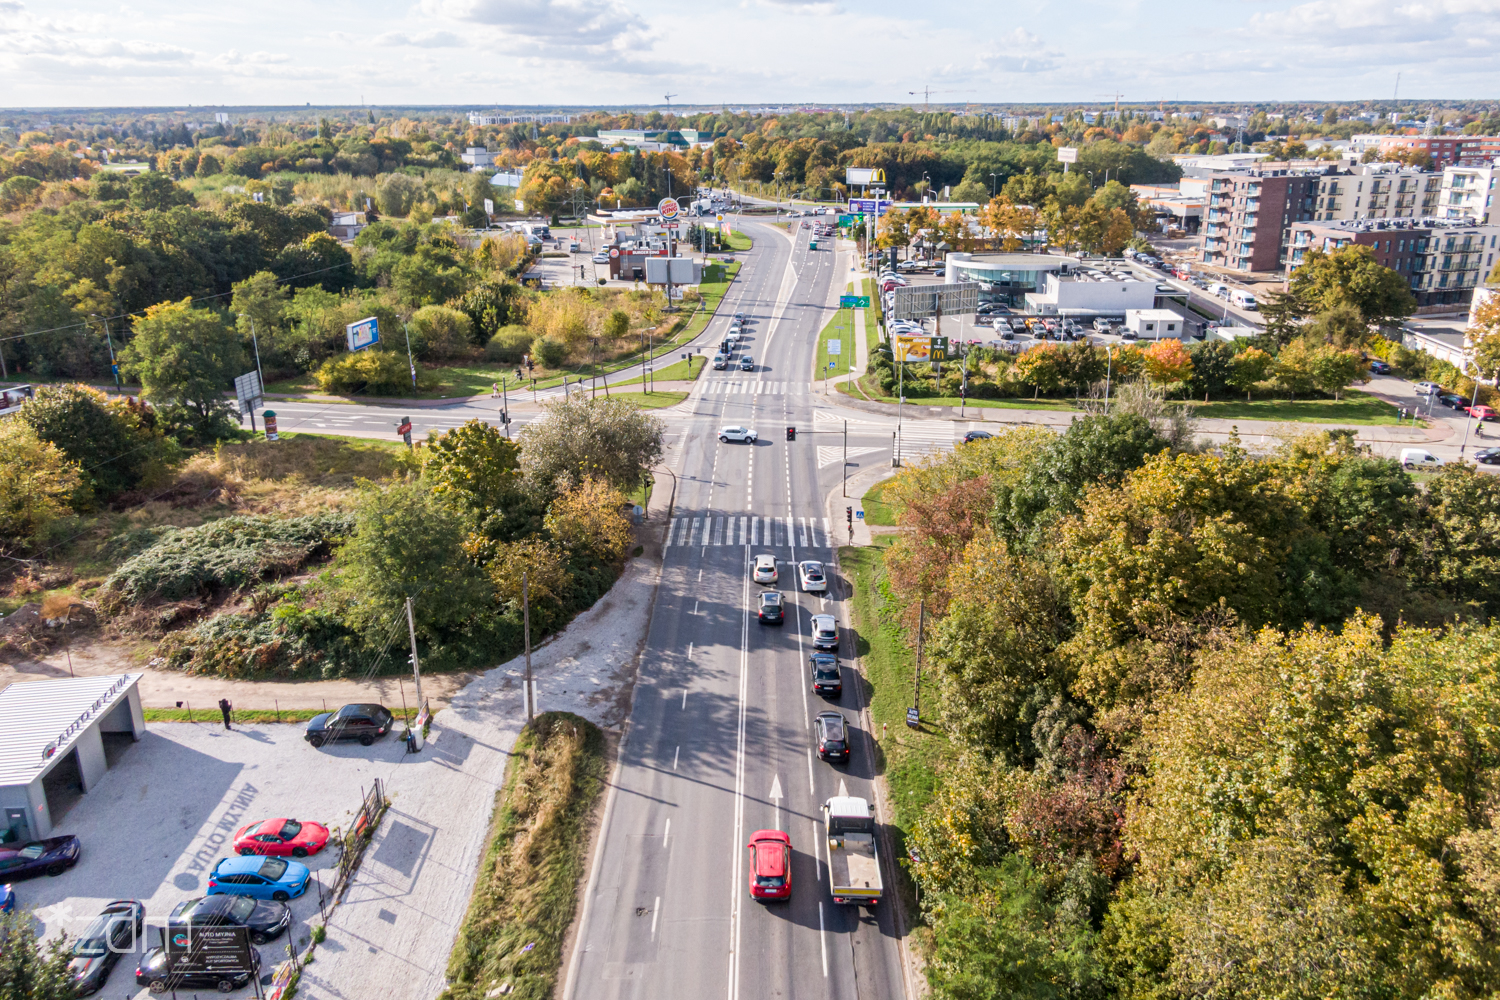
224,709
494,390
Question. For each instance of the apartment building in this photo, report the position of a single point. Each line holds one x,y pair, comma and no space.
1378,191
1249,215
1468,192
1442,260
1445,150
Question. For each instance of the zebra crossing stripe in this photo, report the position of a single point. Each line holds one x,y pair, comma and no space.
753,530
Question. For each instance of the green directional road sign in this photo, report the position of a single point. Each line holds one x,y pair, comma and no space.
939,349
854,302
848,220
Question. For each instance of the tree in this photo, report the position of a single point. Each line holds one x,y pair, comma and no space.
1249,368
114,445
1342,326
154,190
1350,276
617,324
1484,341
1213,367
1168,364
38,485
1333,369
408,544
579,437
589,518
1451,545
30,969
439,332
1293,368
1283,313
1040,367
259,306
185,359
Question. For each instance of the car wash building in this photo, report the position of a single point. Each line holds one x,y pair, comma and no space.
56,741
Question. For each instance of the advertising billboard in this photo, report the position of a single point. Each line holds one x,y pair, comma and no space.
1067,154
863,176
667,208
867,206
220,950
921,301
920,347
363,334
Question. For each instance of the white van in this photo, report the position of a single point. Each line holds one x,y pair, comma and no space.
1243,300
1419,458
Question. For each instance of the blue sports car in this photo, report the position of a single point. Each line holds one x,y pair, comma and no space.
259,878
7,899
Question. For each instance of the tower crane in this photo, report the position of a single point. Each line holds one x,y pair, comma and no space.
927,93
1116,97
669,100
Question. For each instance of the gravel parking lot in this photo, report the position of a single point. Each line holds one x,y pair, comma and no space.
167,811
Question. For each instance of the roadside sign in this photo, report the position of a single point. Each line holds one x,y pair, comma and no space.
671,225
830,364
216,950
1067,154
270,417
854,302
913,718
859,515
363,334
667,208
247,389
848,220
489,206
614,252
835,347
867,206
920,301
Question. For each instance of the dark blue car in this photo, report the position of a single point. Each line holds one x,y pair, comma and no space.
52,856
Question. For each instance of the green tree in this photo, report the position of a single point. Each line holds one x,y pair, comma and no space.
1451,545
260,309
1484,341
1283,313
154,190
1342,327
579,437
1350,276
1333,369
617,324
1293,368
1213,367
475,469
113,445
408,544
1249,368
1040,367
38,485
186,358
29,968
439,332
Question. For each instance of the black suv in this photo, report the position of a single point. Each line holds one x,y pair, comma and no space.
827,679
832,736
365,723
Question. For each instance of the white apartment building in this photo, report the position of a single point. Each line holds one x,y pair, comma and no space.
1469,193
1377,191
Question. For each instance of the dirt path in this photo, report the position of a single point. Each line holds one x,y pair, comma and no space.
166,688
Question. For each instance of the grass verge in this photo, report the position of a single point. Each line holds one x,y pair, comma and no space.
737,240
650,400
907,758
841,329
677,371
1354,408
527,886
241,716
877,511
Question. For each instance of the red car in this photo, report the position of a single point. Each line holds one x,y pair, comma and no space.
281,836
770,865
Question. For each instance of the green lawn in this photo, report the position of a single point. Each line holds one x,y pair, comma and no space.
996,404
677,371
840,328
1354,408
652,400
877,511
737,240
907,758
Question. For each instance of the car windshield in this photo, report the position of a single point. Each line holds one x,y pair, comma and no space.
31,852
833,730
770,599
290,829
273,869
240,908
770,881
826,670
826,633
92,945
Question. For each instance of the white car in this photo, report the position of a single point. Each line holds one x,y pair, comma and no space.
765,568
1428,388
811,576
825,632
600,258
744,434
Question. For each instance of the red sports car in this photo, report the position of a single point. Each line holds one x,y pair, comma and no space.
281,836
770,865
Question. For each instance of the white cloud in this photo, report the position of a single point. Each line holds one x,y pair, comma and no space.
818,7
422,40
1018,51
1392,32
582,24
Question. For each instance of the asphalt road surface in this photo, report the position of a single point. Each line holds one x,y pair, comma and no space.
720,743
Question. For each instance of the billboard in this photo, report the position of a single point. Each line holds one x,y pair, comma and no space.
363,334
863,176
1067,154
920,347
674,270
223,950
921,301
868,206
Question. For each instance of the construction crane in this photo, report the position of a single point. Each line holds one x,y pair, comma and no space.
927,93
669,100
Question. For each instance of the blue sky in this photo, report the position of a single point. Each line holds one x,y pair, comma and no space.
617,52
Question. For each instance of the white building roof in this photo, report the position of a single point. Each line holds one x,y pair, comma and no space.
36,715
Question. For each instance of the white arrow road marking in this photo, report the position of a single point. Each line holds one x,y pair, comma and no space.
843,789
833,454
776,798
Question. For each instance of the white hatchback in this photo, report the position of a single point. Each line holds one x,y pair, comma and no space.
1428,388
765,568
811,577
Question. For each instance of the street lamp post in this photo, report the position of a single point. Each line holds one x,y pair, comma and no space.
992,185
1109,370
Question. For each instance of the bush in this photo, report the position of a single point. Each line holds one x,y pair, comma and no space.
228,553
38,485
114,442
372,371
439,332
551,353
287,640
508,346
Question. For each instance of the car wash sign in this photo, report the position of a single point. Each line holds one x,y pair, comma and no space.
365,333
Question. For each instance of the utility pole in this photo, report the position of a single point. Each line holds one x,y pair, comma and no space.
916,695
416,666
504,407
526,627
846,459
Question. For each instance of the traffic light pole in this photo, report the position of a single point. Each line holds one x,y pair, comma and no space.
416,666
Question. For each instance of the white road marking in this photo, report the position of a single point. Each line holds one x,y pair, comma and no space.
690,651
656,912
674,759
684,698
776,798
822,937
667,833
812,788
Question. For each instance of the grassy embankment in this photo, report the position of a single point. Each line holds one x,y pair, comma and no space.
906,758
527,886
737,240
841,329
878,512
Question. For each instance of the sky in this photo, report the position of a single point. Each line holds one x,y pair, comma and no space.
617,53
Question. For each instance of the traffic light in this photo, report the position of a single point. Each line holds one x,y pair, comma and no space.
849,513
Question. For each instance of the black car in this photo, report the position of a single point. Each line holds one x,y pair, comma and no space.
973,436
365,723
832,736
153,974
97,951
1454,401
827,679
52,856
266,918
1380,368
1487,456
772,612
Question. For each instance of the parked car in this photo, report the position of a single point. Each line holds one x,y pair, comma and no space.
600,258
810,573
1482,412
770,865
772,611
832,736
280,837
265,918
1428,388
825,632
972,436
1453,401
152,973
1484,456
113,933
765,568
7,899
827,678
1419,458
366,723
259,878
52,856
747,363
1380,367
744,434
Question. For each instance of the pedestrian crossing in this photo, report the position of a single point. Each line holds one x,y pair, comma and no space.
759,387
703,529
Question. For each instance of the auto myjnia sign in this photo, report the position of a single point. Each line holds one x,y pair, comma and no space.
363,334
667,208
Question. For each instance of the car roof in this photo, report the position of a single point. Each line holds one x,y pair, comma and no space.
820,620
242,864
362,708
770,597
763,558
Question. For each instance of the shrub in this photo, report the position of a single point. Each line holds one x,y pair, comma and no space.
509,345
551,353
113,442
439,332
38,485
371,371
287,640
228,553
